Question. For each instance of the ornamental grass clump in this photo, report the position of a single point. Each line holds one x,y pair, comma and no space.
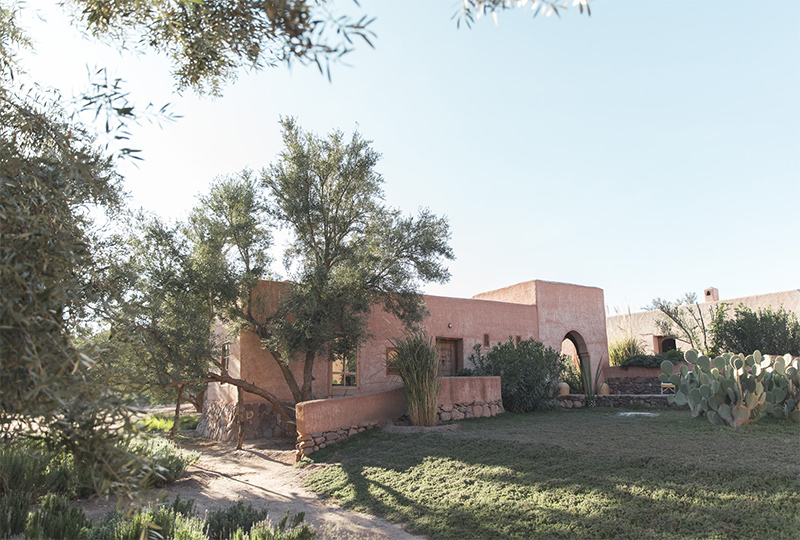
416,361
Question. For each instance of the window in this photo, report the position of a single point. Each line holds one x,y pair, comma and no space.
485,340
517,340
667,344
391,352
344,371
226,356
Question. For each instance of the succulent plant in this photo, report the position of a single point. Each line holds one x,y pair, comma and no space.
736,389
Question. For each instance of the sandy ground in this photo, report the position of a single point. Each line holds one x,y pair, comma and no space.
264,474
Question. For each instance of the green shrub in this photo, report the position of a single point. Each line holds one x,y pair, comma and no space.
14,508
169,460
54,519
529,372
571,374
286,529
652,360
225,522
622,349
416,361
765,330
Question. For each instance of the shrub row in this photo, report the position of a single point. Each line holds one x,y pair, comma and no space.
56,520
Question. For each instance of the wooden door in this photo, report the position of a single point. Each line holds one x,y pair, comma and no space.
447,357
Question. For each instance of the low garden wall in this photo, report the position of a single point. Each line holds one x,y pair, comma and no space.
576,401
326,421
634,380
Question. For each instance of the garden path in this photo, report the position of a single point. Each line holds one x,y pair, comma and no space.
263,473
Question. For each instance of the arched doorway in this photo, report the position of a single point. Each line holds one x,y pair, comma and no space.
574,346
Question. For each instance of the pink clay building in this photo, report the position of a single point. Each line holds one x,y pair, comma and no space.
566,317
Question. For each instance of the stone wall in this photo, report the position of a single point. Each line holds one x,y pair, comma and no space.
634,385
576,401
218,421
459,411
311,442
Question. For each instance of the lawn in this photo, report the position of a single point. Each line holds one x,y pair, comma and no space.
577,474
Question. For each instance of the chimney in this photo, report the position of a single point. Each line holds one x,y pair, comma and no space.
711,295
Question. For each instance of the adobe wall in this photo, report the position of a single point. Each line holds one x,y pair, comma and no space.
451,318
643,323
324,422
562,308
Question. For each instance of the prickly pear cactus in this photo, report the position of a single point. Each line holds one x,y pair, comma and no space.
782,386
728,390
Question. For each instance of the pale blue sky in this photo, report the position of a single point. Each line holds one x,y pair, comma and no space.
651,149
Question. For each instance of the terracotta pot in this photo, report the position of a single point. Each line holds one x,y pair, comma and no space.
603,390
563,389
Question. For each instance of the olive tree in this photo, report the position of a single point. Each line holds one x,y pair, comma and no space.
349,253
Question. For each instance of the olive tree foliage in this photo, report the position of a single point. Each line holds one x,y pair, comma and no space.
209,41
172,285
350,252
51,180
685,320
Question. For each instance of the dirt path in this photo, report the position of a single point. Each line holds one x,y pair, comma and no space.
263,473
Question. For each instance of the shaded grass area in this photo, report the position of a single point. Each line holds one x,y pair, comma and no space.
575,475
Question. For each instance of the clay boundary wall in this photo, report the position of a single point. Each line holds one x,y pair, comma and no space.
325,421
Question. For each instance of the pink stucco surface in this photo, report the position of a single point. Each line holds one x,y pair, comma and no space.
542,310
331,414
562,308
377,407
465,390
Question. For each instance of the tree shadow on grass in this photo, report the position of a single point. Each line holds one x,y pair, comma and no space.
447,486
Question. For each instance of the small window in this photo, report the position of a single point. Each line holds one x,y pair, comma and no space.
391,352
226,356
517,340
485,340
667,344
344,371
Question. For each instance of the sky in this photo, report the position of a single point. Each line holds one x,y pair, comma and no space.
651,150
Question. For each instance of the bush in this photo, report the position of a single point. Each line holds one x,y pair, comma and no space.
14,512
225,522
264,530
652,360
571,374
169,460
765,330
622,349
416,361
55,519
529,372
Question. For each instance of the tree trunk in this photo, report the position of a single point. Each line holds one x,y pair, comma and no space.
253,389
240,416
177,418
197,400
308,367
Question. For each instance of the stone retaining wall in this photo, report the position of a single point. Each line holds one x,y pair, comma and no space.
311,442
634,385
218,421
459,411
576,401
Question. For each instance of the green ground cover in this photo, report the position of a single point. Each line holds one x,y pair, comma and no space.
578,474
